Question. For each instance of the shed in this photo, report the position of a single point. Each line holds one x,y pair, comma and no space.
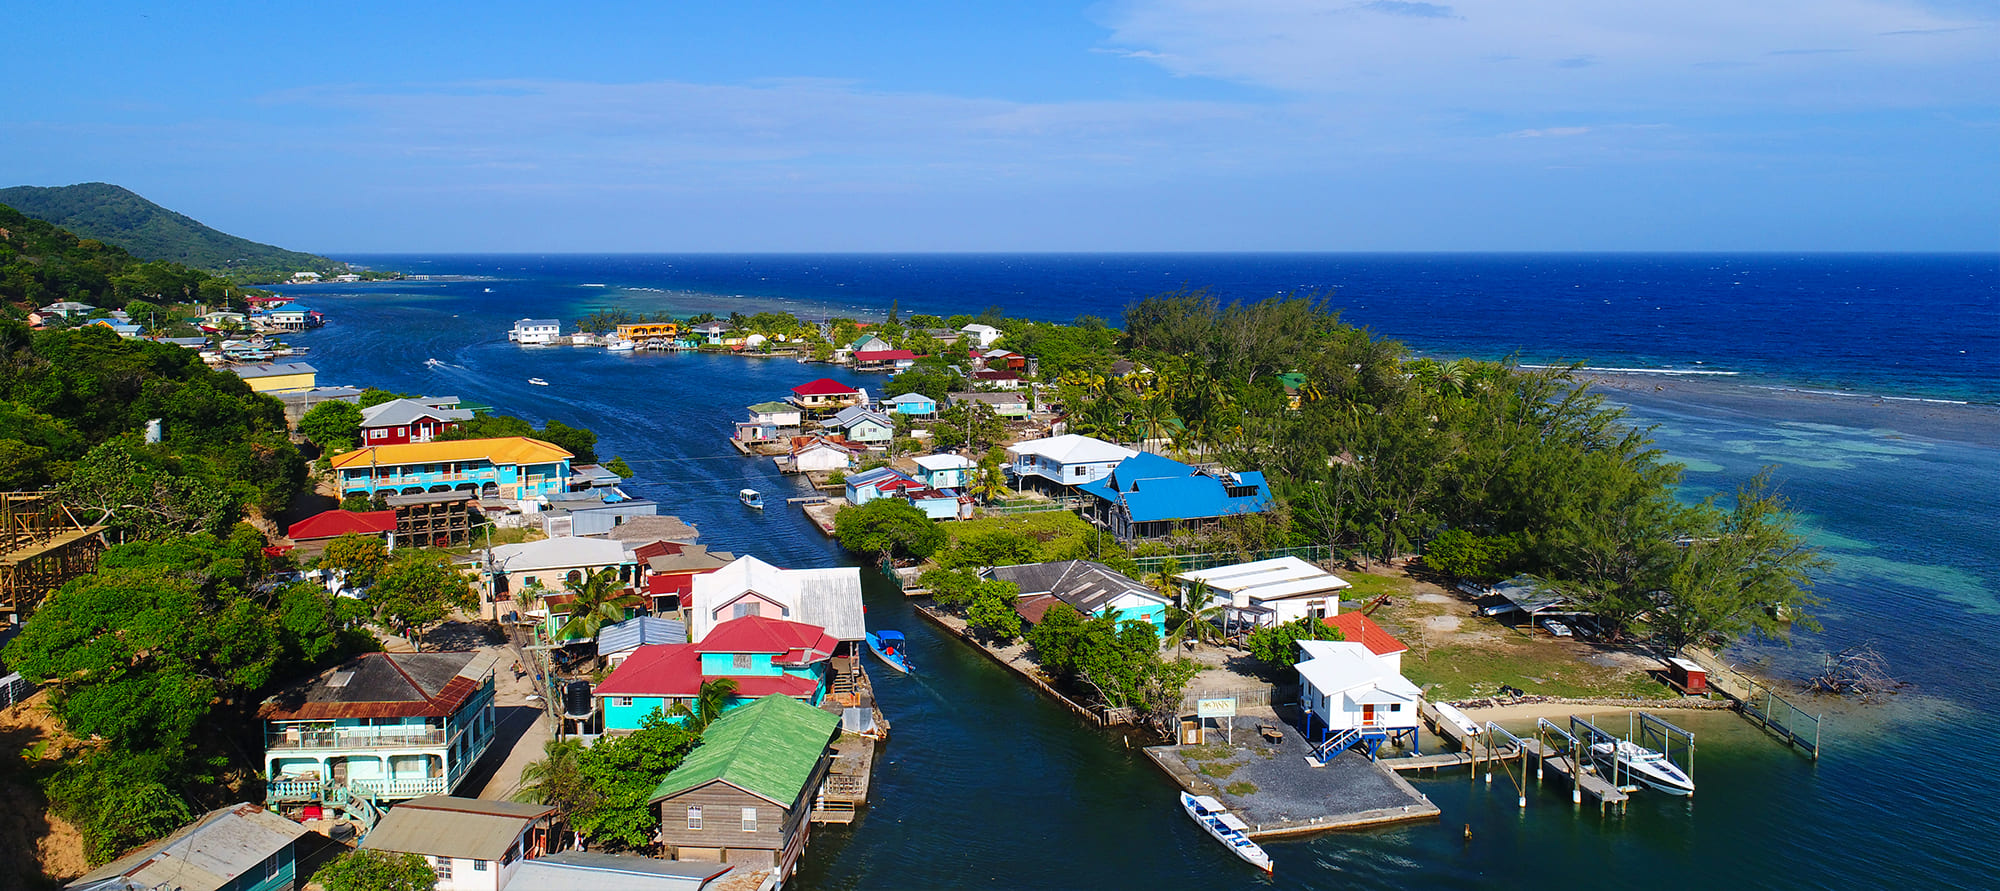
1688,675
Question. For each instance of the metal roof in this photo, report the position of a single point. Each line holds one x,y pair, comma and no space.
463,828
1087,586
1529,595
386,685
768,748
205,855
829,598
1071,448
573,870
407,411
634,633
274,370
562,552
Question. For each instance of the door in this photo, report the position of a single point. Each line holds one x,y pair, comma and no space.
1367,715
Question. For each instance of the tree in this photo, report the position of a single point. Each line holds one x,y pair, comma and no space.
334,426
970,423
710,701
118,799
1194,614
618,466
369,870
372,397
989,482
992,547
1747,571
599,599
558,780
361,557
950,588
574,440
1278,645
121,485
623,772
888,527
992,612
419,589
1465,554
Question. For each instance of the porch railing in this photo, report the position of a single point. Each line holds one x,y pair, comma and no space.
359,738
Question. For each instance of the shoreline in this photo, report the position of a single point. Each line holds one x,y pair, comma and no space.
1969,422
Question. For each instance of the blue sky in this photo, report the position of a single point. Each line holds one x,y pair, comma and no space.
1148,125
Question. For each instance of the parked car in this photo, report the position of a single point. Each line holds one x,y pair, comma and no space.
1556,628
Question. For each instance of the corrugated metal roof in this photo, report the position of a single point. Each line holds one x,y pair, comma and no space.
335,523
443,826
575,870
1362,630
1082,584
768,748
829,598
634,633
207,854
499,450
407,411
386,685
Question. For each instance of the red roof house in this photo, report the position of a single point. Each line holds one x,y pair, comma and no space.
1358,628
764,656
825,393
336,523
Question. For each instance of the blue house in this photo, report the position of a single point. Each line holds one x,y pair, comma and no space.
512,467
1148,496
241,847
945,471
916,404
763,655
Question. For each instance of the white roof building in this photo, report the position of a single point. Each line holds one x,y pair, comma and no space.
985,334
944,462
1347,686
829,598
563,552
1287,586
1067,460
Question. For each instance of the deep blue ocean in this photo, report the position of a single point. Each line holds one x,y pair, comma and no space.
986,784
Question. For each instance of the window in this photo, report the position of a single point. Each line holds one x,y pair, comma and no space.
740,660
749,819
442,866
478,866
694,818
746,609
621,701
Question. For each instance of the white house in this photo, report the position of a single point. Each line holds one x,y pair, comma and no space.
985,335
1273,591
1353,691
533,331
829,598
776,414
472,845
1064,461
822,454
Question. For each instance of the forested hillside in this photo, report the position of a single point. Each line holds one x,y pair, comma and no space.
41,264
116,215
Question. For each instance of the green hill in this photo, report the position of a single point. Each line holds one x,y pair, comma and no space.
116,215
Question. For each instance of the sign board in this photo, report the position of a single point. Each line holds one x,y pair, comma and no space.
1215,708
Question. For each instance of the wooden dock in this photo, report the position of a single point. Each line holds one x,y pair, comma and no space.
1583,781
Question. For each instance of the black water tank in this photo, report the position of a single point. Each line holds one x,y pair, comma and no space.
576,700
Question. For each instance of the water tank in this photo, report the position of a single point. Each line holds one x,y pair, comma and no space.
576,700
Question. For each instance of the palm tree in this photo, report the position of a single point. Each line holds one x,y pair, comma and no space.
1195,616
708,704
989,483
599,599
558,778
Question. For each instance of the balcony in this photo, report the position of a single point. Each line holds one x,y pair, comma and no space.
355,738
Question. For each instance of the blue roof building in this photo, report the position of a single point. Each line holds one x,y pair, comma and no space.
1148,496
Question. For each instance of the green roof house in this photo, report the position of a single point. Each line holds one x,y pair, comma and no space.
745,796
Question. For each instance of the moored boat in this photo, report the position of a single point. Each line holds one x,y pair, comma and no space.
620,345
1646,766
892,648
1226,828
751,498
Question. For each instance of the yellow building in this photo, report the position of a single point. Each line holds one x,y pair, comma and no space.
648,331
288,377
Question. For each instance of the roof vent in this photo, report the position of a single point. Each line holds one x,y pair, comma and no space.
340,679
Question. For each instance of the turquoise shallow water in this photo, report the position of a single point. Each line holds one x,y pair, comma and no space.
987,785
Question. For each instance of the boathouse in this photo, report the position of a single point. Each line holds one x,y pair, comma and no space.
745,796
472,844
241,847
764,656
390,726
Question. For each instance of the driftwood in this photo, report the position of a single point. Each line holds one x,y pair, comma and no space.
1858,670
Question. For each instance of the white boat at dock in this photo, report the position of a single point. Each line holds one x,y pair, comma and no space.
1646,766
620,345
1226,828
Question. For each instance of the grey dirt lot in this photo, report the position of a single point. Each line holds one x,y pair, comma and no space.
1290,792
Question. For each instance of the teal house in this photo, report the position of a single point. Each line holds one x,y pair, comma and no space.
241,847
764,656
516,468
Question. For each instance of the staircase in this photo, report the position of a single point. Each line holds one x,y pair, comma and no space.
843,689
1336,743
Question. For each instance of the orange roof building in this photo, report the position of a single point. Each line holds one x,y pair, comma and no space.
510,467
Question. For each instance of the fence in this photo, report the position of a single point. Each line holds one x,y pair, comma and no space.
1318,554
1780,717
1008,509
1257,698
14,688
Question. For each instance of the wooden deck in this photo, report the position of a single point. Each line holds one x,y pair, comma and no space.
1584,782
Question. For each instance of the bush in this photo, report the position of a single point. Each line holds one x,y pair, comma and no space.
377,871
1458,552
1278,645
888,528
992,611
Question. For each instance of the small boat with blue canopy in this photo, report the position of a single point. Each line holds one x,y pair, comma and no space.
891,647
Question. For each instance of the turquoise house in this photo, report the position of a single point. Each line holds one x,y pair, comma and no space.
764,656
916,404
511,467
241,847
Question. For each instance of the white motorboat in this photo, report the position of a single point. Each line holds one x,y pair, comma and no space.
751,498
538,382
1646,766
433,363
1226,828
621,345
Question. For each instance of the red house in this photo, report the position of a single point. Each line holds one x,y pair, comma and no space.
410,420
326,526
884,360
824,394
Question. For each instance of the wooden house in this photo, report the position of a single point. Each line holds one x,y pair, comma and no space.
945,471
862,425
411,420
648,332
1149,496
998,380
1009,404
1274,591
1092,589
979,335
822,454
884,360
1061,463
287,377
745,796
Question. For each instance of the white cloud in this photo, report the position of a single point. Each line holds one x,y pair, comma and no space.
1526,55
